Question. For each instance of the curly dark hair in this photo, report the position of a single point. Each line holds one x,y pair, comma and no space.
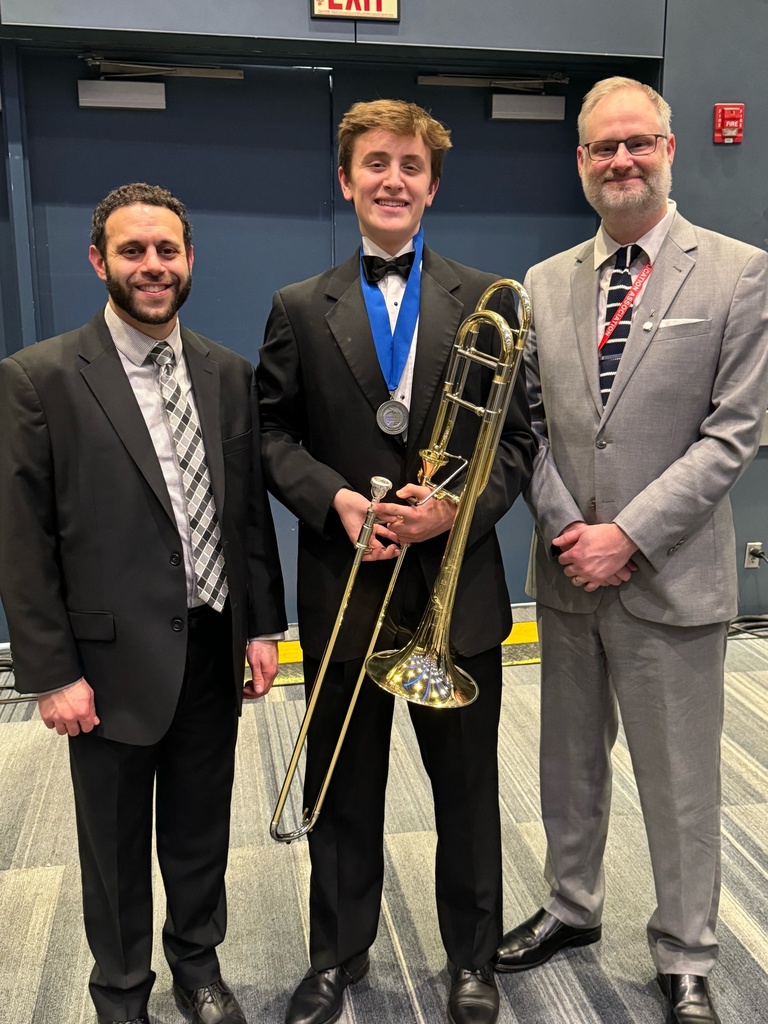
129,195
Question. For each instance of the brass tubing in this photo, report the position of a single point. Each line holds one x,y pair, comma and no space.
423,671
379,488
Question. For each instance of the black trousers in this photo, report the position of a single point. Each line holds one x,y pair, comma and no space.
190,772
459,751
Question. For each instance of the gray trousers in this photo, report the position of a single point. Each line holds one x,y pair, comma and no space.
667,682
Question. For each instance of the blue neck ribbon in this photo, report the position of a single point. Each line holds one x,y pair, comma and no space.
392,349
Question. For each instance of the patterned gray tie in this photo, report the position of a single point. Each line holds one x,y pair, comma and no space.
188,441
620,284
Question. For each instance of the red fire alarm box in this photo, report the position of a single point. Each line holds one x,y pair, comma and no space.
729,122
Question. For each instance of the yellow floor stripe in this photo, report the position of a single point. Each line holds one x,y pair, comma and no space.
289,652
522,633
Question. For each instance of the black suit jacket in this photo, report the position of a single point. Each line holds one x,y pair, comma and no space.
91,573
320,386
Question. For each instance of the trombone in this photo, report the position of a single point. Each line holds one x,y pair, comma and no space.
423,672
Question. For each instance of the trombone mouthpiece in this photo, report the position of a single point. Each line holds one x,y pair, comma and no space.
379,487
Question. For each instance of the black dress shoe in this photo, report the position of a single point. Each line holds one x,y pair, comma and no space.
688,999
320,994
538,939
211,1004
474,998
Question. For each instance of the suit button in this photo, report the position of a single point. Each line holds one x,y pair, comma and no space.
593,504
177,625
175,558
601,444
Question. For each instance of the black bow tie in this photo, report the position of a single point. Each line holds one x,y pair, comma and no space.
376,267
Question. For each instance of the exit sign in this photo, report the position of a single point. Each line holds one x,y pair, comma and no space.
372,10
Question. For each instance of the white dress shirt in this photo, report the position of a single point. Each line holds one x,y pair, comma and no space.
392,287
133,347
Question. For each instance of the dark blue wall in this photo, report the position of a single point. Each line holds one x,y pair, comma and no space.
255,163
249,158
9,324
709,60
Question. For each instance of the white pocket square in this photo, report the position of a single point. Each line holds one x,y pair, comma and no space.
683,320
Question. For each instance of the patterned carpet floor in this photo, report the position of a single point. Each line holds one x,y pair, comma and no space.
44,961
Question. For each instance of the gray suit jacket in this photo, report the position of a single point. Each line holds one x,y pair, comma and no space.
681,423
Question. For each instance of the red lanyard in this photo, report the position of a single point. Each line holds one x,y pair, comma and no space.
629,298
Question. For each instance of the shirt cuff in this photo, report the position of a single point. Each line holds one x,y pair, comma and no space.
60,688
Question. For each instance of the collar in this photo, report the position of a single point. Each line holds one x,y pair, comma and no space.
135,345
651,242
371,249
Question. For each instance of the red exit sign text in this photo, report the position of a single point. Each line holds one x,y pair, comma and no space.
373,10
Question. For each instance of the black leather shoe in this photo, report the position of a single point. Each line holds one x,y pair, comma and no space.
211,1004
688,999
320,994
538,939
474,998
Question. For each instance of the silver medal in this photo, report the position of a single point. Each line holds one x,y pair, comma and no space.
392,417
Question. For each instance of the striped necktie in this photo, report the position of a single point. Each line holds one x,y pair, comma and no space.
188,441
620,284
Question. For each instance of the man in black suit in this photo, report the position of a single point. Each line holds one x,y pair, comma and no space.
342,399
138,565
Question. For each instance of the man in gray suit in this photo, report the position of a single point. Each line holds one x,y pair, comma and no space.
648,381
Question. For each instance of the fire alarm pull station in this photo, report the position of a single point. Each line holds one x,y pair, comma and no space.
729,122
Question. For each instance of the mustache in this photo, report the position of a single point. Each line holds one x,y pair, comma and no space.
623,175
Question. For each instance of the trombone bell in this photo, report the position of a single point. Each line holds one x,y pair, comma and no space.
426,677
423,672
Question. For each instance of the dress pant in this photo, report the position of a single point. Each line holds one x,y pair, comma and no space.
667,682
190,771
459,751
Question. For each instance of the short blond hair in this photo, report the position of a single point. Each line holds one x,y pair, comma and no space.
394,116
610,85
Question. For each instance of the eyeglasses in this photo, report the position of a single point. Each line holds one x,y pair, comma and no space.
636,145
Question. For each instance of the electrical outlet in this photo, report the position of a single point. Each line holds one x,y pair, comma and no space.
750,561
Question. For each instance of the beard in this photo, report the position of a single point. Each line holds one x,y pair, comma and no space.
125,299
657,185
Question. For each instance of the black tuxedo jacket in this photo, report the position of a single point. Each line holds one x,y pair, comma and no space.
91,566
320,385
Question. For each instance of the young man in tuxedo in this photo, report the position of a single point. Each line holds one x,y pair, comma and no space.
138,567
350,379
